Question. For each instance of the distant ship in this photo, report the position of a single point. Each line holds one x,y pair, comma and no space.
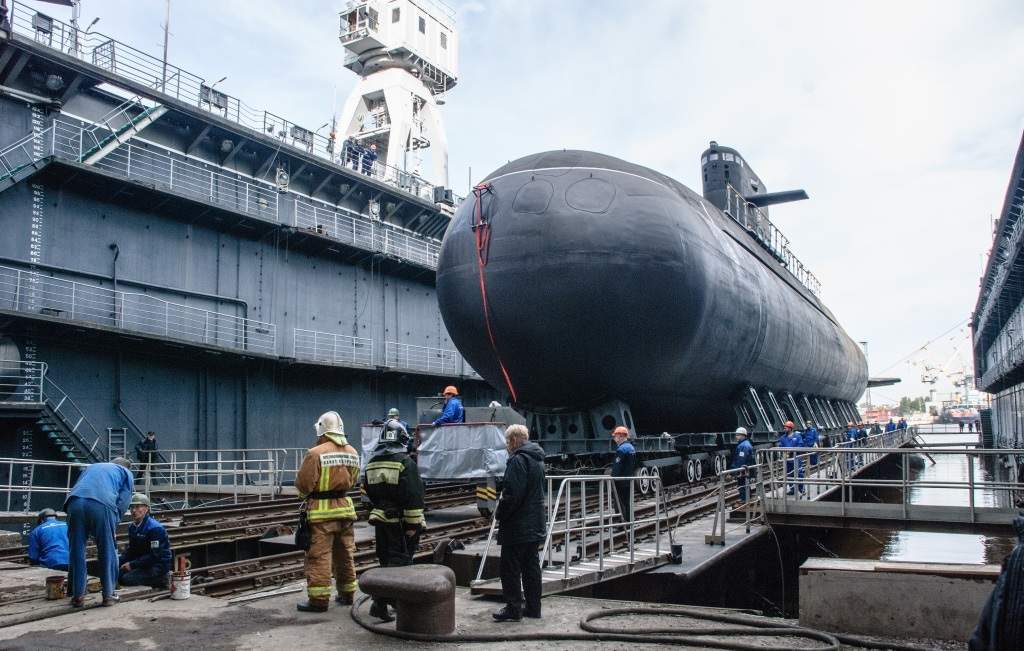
960,412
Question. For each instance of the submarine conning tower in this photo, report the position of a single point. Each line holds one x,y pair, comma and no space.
723,168
732,186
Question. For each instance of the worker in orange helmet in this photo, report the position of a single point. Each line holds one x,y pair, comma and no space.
453,412
794,464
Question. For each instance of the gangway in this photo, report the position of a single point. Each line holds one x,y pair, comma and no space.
836,495
587,541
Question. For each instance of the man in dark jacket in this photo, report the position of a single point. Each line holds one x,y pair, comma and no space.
1001,625
145,451
522,526
147,558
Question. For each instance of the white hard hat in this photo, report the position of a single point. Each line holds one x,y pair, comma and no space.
329,423
741,430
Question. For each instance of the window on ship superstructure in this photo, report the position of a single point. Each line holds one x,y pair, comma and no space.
423,25
396,13
444,41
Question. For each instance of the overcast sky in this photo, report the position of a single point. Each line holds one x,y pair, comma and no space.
900,119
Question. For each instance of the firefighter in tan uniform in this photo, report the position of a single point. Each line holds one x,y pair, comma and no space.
327,472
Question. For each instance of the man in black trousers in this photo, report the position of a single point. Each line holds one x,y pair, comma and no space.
522,526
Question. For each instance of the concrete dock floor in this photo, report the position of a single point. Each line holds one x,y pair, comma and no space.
272,623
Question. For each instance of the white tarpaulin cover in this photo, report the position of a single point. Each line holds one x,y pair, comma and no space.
466,451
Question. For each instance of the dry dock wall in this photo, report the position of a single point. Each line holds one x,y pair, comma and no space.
923,600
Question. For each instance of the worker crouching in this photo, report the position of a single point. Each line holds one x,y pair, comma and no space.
147,558
324,478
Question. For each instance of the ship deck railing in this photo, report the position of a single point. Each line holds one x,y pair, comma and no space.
140,161
33,291
231,474
125,61
769,237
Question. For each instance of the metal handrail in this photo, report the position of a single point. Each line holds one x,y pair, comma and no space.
11,468
132,311
419,358
232,474
21,381
125,61
329,347
74,418
757,224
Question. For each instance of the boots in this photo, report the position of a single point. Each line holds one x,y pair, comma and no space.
312,606
379,610
345,598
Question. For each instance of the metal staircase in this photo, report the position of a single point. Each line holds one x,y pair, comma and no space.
22,159
67,427
122,125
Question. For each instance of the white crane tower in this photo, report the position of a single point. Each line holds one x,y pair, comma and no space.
405,52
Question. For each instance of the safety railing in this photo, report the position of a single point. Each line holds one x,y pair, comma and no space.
21,381
130,63
419,358
327,347
765,232
32,291
30,484
24,153
147,165
574,517
371,235
752,502
232,473
963,496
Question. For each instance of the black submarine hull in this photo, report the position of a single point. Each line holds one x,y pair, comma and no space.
606,280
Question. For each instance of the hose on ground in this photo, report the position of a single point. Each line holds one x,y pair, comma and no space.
697,637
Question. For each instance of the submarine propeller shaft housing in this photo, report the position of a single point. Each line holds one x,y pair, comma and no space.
571,278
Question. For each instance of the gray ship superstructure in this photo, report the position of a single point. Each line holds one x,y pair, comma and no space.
175,260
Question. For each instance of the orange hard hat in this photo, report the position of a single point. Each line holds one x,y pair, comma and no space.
450,389
788,424
620,430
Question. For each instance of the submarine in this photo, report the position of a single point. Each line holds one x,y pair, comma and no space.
595,292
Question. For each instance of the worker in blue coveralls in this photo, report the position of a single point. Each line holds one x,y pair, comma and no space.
811,440
794,464
890,428
95,506
48,542
453,412
624,465
851,440
147,558
743,457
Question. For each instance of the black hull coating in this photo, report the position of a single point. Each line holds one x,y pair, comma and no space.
608,280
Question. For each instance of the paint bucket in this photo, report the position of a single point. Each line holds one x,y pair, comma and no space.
677,554
55,587
181,585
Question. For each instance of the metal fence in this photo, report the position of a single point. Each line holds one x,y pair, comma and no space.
419,358
327,347
21,381
31,291
147,165
231,473
355,229
28,482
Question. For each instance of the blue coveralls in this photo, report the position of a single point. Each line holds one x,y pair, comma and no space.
95,506
452,412
148,554
810,437
744,458
624,465
890,427
48,545
794,464
851,440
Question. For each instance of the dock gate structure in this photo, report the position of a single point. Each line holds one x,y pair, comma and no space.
179,261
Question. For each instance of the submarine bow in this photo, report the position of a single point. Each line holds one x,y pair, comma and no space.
572,277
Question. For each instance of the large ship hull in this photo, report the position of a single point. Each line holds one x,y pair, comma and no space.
606,280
